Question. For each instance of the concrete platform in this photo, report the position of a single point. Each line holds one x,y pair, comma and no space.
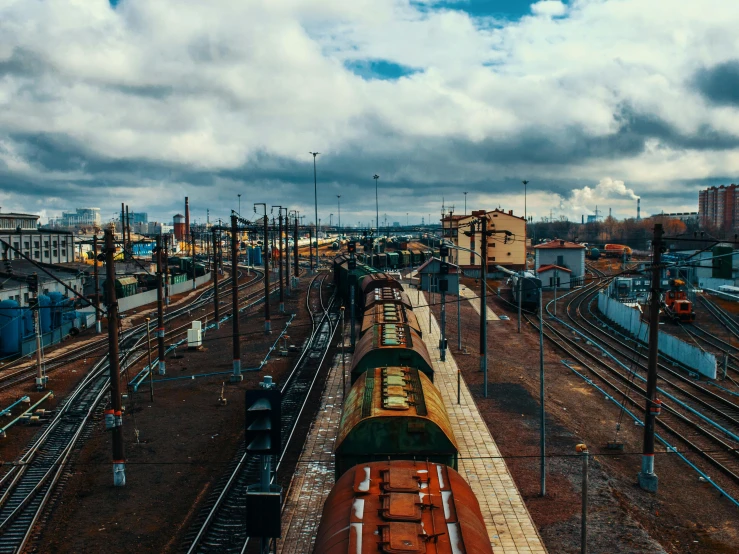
474,298
314,475
510,527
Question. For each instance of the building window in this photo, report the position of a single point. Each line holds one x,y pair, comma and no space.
36,254
54,243
46,253
46,244
16,245
26,245
493,258
560,260
25,297
56,253
36,244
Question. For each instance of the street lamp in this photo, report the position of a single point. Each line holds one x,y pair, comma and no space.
239,204
377,205
339,197
465,203
315,196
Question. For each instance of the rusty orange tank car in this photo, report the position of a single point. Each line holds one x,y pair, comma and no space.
402,507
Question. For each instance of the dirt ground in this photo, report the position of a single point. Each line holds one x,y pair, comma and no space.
685,516
176,445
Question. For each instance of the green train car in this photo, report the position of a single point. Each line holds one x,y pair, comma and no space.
124,286
394,413
393,260
343,277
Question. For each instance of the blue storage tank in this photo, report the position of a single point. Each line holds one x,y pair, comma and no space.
257,258
44,303
28,330
11,324
56,298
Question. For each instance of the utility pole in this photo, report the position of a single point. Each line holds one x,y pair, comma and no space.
123,225
116,425
148,352
216,300
128,248
192,240
280,258
98,324
315,197
165,263
377,205
236,376
33,286
483,220
542,412
465,203
295,247
520,300
267,325
286,251
556,277
339,197
160,307
647,478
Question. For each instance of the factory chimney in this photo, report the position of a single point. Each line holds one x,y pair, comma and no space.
187,218
638,209
583,219
610,212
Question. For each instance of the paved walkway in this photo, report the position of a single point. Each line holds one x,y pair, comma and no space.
474,298
510,527
314,474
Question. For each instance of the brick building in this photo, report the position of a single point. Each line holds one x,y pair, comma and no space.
718,207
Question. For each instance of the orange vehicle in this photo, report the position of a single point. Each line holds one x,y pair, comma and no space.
677,307
616,251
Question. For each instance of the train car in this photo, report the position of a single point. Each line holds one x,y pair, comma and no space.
384,295
378,280
617,251
404,507
346,275
405,258
394,413
389,312
416,257
393,260
530,289
390,345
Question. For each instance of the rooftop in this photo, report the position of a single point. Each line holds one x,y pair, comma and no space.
555,244
549,267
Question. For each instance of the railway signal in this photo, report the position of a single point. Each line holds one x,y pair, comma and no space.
263,437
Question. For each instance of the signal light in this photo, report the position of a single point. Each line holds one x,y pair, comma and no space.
263,421
352,246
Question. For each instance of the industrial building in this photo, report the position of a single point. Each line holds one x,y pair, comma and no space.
564,255
508,251
685,217
21,231
554,275
718,207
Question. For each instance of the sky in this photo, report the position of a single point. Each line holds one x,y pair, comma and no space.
594,102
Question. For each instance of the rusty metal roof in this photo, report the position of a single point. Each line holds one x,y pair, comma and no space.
386,294
391,344
377,280
393,392
402,507
389,312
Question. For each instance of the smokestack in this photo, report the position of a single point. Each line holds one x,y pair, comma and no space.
583,218
638,209
610,212
187,218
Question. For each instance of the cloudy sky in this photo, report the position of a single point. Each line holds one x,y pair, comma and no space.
595,102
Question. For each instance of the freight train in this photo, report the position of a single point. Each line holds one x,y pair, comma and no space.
397,489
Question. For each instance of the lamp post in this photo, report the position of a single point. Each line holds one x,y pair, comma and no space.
315,197
525,216
239,203
377,205
339,198
465,203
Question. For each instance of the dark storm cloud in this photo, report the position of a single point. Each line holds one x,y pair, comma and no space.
22,63
719,84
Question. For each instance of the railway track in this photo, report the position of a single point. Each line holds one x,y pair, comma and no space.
11,378
723,317
713,438
218,527
26,488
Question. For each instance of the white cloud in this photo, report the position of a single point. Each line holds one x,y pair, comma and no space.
566,94
549,8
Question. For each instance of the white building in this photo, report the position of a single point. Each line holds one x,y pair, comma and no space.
81,217
564,255
21,231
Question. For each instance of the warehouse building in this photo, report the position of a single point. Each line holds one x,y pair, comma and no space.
21,231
